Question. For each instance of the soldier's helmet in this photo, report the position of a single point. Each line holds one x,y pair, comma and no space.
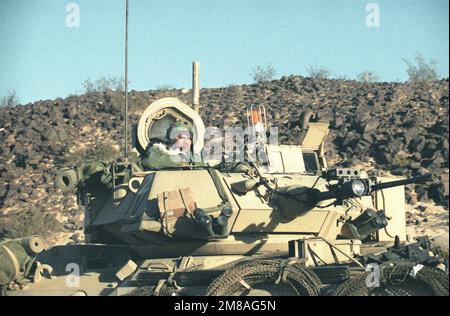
175,131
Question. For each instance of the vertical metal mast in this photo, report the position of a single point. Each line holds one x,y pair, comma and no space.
196,86
126,84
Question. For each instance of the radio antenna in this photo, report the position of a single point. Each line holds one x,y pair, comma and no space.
126,82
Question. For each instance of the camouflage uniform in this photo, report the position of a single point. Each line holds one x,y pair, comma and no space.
161,156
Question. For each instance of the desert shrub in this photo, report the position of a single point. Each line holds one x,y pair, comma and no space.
261,74
103,84
10,99
368,76
318,72
420,69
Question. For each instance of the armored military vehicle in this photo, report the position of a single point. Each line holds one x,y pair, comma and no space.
174,220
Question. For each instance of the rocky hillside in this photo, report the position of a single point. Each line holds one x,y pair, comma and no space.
398,128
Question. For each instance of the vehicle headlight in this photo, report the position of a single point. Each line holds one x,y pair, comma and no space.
358,187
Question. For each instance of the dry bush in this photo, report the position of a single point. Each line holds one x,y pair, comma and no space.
316,72
260,74
368,76
10,99
421,70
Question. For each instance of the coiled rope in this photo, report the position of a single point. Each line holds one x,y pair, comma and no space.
400,280
245,277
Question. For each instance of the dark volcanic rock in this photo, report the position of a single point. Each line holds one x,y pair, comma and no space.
368,121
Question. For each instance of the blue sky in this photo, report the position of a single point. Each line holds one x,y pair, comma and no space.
42,58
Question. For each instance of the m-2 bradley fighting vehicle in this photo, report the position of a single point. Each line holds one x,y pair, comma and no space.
185,215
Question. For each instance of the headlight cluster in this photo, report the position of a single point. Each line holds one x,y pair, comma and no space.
360,187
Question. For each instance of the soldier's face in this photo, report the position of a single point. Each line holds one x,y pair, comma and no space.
183,142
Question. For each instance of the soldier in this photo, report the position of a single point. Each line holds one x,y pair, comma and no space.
176,152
